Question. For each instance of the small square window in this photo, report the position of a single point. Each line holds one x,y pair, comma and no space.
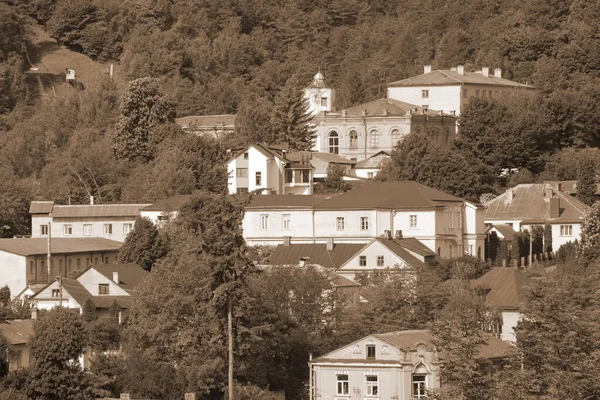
364,223
566,230
362,261
241,172
413,221
371,351
55,292
108,229
103,288
44,229
87,229
339,223
425,94
245,156
380,261
67,229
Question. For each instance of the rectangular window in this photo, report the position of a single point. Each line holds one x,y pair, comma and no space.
342,384
67,229
258,179
55,292
44,230
96,260
69,264
289,176
60,265
362,261
413,221
306,176
459,219
465,93
241,190
372,388
285,221
425,94
566,230
87,229
79,263
370,351
103,288
241,172
380,261
31,268
127,228
339,223
108,229
450,219
245,156
364,223
264,222
419,387
370,175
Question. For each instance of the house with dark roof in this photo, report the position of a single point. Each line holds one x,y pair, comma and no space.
220,127
529,204
24,261
165,209
447,225
103,284
505,290
369,168
451,90
110,221
17,333
350,259
392,365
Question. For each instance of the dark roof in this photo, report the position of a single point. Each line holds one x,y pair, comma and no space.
507,287
35,246
316,253
76,290
390,106
569,187
97,210
389,195
527,202
505,230
283,200
307,155
130,275
375,161
17,331
449,77
107,301
401,248
207,121
41,207
408,340
173,203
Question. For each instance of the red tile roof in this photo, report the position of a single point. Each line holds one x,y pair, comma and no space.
508,287
449,77
36,246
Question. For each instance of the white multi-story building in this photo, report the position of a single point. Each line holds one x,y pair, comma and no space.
446,224
110,221
451,90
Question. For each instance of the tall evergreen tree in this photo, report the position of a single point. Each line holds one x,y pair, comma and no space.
586,180
589,245
143,246
291,119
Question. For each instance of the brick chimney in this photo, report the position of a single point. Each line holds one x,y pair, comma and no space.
303,261
387,234
427,69
287,240
116,277
460,69
554,207
485,71
329,244
398,235
498,73
548,192
510,194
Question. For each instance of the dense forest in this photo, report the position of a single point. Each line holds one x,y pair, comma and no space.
209,57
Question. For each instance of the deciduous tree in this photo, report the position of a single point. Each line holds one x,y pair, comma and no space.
143,246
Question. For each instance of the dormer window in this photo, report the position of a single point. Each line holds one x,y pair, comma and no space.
371,351
103,288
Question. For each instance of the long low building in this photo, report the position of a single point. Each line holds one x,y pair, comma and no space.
24,261
447,225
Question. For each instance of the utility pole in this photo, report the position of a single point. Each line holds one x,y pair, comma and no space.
230,339
60,296
49,254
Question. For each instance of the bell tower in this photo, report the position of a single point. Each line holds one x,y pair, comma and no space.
320,98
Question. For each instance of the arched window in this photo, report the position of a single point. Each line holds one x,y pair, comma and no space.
437,135
447,136
395,136
374,139
334,143
353,139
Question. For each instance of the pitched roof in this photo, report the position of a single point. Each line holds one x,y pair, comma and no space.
130,275
505,230
283,201
17,331
197,121
376,161
328,157
389,107
41,207
97,210
527,202
35,246
76,290
172,203
389,195
401,248
449,77
316,253
507,287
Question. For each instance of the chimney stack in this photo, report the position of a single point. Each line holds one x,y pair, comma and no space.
554,207
116,277
329,244
34,313
485,71
427,69
498,73
460,69
303,261
287,240
511,194
399,234
92,200
387,234
548,192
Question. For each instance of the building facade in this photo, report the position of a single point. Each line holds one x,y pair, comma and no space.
451,90
447,225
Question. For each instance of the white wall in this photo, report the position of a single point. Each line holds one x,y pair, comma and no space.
558,240
90,280
45,301
510,318
300,226
13,272
372,252
97,227
441,98
36,221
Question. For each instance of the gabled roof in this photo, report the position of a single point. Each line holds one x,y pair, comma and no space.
283,201
507,287
17,331
526,202
401,248
97,210
316,253
389,195
41,207
376,161
505,230
269,151
449,77
130,275
36,246
328,157
409,340
172,203
73,288
390,107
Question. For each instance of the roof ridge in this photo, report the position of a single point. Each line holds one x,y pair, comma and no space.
443,72
421,193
